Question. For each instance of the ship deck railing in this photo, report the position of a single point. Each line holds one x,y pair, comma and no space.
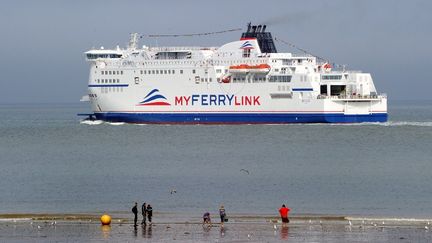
182,48
353,97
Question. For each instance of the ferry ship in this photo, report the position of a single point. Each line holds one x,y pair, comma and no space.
241,82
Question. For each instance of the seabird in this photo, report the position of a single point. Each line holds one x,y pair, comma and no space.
244,170
173,191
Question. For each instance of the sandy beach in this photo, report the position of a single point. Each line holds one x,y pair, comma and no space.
240,228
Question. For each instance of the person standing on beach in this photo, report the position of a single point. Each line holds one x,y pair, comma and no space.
222,214
149,213
283,211
144,213
135,212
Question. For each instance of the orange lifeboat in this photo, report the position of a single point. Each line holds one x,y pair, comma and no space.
244,68
261,68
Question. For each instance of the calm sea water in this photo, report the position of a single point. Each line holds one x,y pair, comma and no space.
52,162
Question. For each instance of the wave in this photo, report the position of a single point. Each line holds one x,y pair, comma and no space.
116,123
92,122
390,124
408,123
99,122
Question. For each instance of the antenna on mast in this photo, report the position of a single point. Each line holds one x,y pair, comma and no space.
133,41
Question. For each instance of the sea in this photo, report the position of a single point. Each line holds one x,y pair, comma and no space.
53,162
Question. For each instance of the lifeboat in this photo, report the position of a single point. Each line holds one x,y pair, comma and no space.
261,68
244,68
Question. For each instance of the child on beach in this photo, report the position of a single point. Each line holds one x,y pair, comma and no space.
206,219
149,213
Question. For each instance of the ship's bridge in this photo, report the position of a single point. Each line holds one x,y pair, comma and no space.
96,54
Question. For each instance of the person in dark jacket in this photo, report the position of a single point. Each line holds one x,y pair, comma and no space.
149,213
144,213
135,212
222,215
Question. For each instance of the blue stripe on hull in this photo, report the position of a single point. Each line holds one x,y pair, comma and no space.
236,118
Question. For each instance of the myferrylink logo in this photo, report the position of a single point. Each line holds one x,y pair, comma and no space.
156,98
217,100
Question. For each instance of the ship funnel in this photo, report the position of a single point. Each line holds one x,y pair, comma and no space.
265,39
259,28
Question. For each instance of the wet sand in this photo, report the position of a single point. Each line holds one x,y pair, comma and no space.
240,228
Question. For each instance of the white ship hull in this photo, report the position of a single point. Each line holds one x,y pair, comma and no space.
138,86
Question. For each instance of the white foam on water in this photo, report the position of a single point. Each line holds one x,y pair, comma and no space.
412,220
385,124
90,122
407,123
14,219
116,123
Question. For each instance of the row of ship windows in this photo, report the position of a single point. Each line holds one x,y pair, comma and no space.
147,72
331,77
107,81
262,79
112,72
161,71
105,90
283,79
217,62
197,79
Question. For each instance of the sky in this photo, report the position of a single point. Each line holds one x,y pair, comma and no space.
42,42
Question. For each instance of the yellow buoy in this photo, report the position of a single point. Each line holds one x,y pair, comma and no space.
105,219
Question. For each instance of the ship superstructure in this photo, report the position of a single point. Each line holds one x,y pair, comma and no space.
242,82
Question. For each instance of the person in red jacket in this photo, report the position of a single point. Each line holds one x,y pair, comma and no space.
284,214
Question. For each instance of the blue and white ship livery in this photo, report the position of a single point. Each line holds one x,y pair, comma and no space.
241,82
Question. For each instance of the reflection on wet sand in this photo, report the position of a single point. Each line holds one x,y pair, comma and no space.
146,231
222,232
206,233
306,230
106,230
284,232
